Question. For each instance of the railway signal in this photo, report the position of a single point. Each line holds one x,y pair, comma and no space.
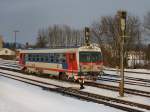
87,36
122,19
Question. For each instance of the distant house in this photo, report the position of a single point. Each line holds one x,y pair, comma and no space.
6,52
1,42
135,58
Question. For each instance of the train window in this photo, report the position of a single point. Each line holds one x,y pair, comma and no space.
90,56
63,61
37,59
42,59
33,59
56,55
57,60
29,59
46,59
26,57
52,60
29,55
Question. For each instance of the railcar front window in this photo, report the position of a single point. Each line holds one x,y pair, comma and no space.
90,56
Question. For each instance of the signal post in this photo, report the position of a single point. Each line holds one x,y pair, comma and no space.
122,20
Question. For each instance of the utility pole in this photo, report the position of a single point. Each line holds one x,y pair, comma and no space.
15,33
122,19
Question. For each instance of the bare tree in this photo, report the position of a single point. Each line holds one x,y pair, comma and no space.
63,36
41,39
147,22
107,33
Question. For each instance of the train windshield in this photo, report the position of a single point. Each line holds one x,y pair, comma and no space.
90,56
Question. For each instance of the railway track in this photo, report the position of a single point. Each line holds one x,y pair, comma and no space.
114,88
127,90
126,82
129,78
9,65
104,86
109,101
130,71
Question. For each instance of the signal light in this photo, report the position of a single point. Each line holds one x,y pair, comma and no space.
87,36
87,32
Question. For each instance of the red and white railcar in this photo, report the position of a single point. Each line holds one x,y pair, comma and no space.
76,63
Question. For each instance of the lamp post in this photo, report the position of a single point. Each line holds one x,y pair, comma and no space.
15,33
122,18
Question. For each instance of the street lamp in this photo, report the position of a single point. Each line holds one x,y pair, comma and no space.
15,33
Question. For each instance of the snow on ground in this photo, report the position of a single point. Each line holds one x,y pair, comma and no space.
132,70
16,96
51,81
9,64
15,68
139,70
126,85
11,61
142,76
105,92
114,94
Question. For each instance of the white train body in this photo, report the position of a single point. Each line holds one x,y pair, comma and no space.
83,62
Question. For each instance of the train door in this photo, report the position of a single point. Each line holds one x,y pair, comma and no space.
22,59
72,62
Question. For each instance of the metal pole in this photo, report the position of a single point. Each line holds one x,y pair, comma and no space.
15,39
121,92
123,28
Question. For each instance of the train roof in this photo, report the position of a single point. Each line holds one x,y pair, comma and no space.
62,50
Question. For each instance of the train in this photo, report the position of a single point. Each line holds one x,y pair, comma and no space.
79,64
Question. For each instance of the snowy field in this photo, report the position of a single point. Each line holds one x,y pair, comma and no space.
106,92
16,96
100,91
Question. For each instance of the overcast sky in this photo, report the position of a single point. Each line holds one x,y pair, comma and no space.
28,16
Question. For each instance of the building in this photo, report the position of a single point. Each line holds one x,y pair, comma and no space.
135,58
6,52
1,42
